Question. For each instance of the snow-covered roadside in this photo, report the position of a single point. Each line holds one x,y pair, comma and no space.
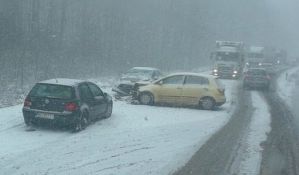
286,83
136,140
260,125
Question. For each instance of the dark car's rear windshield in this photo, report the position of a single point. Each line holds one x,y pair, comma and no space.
53,91
257,72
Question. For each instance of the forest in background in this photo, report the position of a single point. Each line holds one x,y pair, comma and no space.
42,39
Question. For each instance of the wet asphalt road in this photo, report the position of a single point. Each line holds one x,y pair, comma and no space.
219,156
281,150
281,153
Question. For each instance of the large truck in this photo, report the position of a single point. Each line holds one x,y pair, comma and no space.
255,56
228,59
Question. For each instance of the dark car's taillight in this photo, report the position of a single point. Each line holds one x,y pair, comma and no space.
27,102
71,106
268,77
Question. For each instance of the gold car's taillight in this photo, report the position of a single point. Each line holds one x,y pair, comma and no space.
221,91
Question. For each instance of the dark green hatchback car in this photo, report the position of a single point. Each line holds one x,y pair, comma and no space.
67,102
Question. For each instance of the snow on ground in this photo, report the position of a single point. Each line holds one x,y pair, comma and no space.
286,83
259,126
136,140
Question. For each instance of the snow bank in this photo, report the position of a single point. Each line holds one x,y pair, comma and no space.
286,84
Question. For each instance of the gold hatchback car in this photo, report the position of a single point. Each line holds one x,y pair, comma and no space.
184,89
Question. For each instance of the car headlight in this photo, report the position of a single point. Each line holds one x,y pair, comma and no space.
235,72
215,70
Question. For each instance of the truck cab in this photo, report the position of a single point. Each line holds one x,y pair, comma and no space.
228,59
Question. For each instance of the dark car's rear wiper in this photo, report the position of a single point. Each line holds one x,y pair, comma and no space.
53,97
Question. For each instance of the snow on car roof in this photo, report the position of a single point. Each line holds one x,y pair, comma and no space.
145,68
192,73
62,81
256,49
228,49
256,68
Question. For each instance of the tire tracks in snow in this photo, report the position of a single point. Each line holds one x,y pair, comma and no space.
219,154
236,148
281,155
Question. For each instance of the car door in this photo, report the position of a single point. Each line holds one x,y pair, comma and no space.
169,89
88,99
194,88
100,101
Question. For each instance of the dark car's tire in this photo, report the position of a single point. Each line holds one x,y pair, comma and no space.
146,98
109,110
81,123
207,103
245,86
28,121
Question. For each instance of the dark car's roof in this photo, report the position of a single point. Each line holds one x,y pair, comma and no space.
144,68
62,81
257,69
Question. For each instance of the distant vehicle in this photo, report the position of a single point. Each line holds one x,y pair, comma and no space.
256,78
255,55
269,67
228,59
67,102
186,89
140,75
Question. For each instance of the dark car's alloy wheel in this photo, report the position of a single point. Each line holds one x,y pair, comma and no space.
81,123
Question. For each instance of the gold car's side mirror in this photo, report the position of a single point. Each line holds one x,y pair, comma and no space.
159,83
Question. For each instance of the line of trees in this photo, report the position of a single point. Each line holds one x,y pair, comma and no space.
41,39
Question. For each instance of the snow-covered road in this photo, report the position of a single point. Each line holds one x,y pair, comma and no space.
135,140
258,129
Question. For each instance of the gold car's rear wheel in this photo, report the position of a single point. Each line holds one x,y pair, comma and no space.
146,98
207,103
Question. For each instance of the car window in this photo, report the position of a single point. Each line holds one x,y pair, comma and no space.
96,91
174,80
85,92
196,80
53,91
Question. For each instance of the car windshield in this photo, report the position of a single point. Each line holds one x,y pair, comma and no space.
256,55
52,91
228,56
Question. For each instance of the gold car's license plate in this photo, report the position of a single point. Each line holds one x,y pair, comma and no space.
45,116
